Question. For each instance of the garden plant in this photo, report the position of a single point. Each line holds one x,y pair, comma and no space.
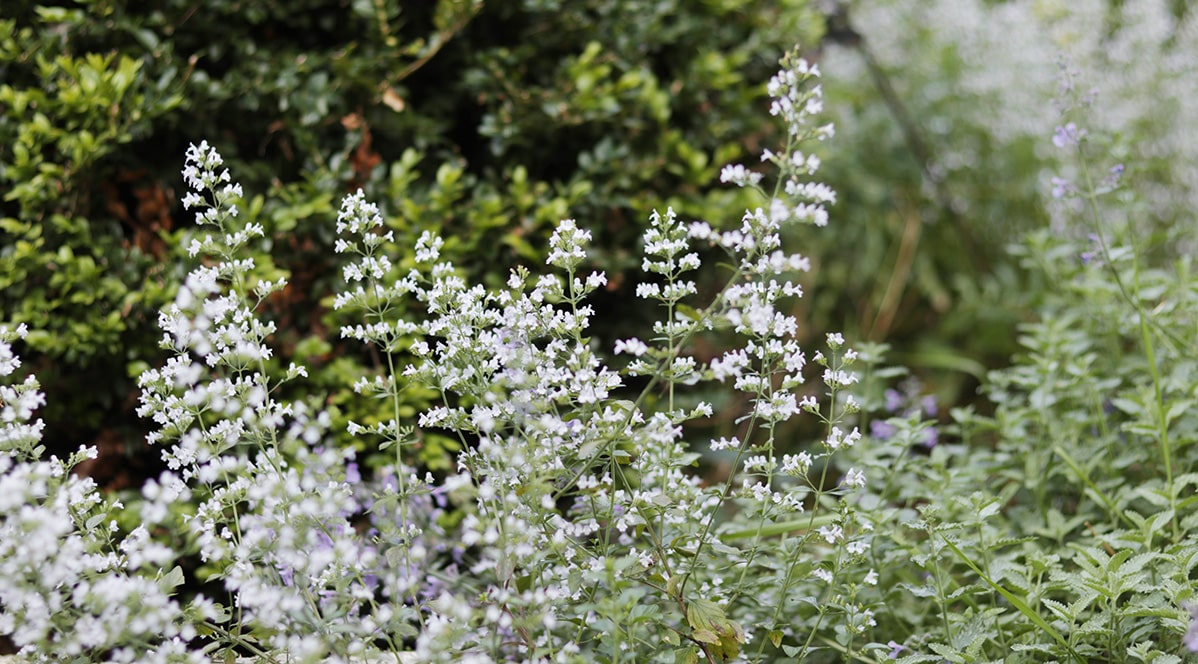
572,526
721,486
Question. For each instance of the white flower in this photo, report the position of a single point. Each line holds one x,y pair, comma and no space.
857,547
634,347
837,438
796,465
831,534
854,478
739,175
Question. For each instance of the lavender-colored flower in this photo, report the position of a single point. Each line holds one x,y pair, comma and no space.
1062,188
931,437
882,430
1113,176
1088,256
1191,638
1068,135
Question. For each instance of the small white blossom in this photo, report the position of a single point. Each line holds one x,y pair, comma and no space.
854,478
831,534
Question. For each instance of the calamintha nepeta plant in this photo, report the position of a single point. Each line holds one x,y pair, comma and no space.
575,525
588,532
71,588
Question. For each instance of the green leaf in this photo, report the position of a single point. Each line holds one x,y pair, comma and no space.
704,614
688,311
173,579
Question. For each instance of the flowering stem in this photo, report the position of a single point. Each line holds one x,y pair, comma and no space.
1144,321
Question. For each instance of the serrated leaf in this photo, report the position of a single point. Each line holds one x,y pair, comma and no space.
919,591
988,511
1176,409
1127,406
1137,562
946,651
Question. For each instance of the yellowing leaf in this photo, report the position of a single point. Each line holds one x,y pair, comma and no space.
706,636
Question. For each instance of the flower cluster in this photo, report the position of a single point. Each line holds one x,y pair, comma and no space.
275,513
69,585
586,495
574,524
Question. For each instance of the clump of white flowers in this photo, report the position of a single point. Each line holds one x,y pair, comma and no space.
574,526
69,586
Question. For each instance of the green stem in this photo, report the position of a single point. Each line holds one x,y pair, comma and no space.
1143,320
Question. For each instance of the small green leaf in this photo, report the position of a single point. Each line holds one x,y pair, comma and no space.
688,311
173,579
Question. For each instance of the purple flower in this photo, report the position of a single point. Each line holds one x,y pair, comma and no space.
894,400
1112,177
1067,135
881,429
928,403
895,649
1088,256
1191,638
1062,187
931,437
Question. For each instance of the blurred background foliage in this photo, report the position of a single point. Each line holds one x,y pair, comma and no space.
490,121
